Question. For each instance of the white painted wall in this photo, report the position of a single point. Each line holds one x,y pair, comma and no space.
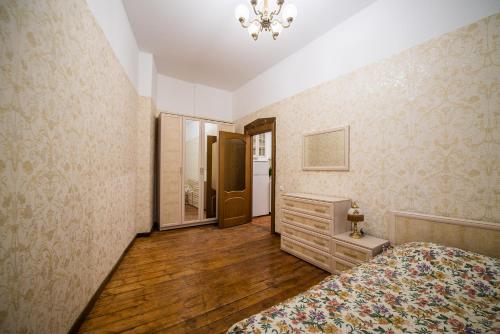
175,96
186,98
380,30
113,19
154,88
213,103
145,74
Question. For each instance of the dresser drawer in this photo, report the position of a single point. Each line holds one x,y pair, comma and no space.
307,222
316,208
339,265
307,253
310,238
350,252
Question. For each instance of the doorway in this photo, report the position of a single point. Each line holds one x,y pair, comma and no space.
263,183
261,179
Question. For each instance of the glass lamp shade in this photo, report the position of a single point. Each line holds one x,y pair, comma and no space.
242,12
355,214
289,12
254,29
276,27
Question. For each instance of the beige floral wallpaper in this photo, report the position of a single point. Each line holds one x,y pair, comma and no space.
68,162
424,130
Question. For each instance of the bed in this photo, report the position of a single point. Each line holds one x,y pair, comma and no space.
418,287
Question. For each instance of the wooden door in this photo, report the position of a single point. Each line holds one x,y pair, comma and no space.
170,170
210,192
235,158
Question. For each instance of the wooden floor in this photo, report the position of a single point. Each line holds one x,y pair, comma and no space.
198,280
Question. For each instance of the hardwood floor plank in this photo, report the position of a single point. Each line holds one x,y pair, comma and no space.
188,308
231,313
198,283
212,278
200,279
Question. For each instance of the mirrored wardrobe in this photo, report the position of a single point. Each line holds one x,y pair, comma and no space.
188,170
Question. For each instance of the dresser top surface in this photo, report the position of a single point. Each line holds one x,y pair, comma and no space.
315,197
367,241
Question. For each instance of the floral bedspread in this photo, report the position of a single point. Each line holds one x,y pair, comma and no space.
415,288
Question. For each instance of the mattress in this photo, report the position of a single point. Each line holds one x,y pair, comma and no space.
415,288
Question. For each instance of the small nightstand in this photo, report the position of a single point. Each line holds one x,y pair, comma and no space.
348,252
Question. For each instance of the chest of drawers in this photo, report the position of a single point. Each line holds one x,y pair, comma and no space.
315,229
348,252
308,224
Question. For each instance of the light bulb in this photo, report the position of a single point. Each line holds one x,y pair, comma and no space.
253,30
289,12
241,12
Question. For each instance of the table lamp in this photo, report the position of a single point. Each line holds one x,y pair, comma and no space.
355,216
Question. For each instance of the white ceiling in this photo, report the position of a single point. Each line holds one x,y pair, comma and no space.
200,41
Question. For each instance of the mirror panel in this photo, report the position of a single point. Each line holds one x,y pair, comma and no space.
191,170
326,150
234,165
211,172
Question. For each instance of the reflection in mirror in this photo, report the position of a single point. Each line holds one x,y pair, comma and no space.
211,172
191,170
234,165
327,150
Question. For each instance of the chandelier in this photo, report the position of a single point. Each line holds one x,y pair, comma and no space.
266,19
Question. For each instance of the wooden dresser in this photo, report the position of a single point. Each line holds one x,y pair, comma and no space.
308,224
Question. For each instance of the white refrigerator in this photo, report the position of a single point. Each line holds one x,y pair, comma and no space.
260,191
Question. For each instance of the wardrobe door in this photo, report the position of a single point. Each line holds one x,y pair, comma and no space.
170,170
192,170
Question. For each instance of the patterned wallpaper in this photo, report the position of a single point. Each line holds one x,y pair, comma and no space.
425,133
68,162
145,163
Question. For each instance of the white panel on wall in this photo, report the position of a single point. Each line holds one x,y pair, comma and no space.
145,74
378,31
154,88
181,97
113,20
213,103
175,96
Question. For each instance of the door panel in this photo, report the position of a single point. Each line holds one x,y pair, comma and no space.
191,170
170,167
234,179
234,166
211,177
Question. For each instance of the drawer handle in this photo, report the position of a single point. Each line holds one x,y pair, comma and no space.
319,242
319,226
351,253
320,210
318,259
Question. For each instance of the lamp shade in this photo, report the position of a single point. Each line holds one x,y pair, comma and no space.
242,12
276,27
355,214
253,30
289,12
